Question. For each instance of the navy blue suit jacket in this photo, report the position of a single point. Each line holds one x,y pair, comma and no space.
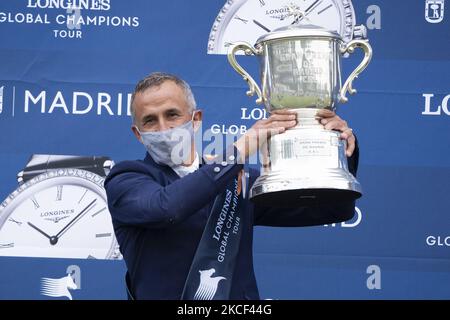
159,218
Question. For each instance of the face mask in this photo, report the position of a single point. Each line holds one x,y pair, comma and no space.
170,147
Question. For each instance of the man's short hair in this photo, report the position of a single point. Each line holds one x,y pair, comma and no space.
156,79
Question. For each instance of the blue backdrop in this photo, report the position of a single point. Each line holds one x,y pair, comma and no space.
68,95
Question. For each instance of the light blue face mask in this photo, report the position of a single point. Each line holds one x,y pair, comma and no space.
171,147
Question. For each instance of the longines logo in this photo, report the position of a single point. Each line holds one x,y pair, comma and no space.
68,25
56,219
73,4
434,10
439,241
279,13
254,113
432,109
57,215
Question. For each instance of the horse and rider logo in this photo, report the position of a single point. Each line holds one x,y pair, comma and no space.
58,287
208,285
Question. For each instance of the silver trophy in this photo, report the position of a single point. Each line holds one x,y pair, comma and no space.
300,68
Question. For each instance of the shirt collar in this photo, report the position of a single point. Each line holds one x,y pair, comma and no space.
185,170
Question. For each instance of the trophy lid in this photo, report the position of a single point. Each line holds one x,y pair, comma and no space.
299,29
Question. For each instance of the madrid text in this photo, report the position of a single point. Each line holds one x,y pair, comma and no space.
78,103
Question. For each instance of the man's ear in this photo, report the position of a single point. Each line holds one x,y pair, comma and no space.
136,132
198,116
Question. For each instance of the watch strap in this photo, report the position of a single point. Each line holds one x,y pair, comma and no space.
40,163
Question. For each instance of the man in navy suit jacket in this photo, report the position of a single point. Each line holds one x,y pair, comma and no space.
160,208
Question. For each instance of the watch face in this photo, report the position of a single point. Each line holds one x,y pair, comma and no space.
60,214
247,20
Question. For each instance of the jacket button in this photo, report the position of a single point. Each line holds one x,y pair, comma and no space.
216,169
224,163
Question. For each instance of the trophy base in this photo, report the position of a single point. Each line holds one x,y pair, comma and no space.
281,190
305,166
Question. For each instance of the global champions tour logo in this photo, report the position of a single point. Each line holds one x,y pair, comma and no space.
58,287
434,10
208,285
70,16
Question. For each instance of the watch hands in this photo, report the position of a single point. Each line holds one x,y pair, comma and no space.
74,220
38,230
313,6
54,239
259,24
307,11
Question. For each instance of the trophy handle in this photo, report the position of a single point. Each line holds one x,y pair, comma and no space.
350,48
249,50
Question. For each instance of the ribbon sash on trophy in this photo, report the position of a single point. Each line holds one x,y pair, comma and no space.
212,268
